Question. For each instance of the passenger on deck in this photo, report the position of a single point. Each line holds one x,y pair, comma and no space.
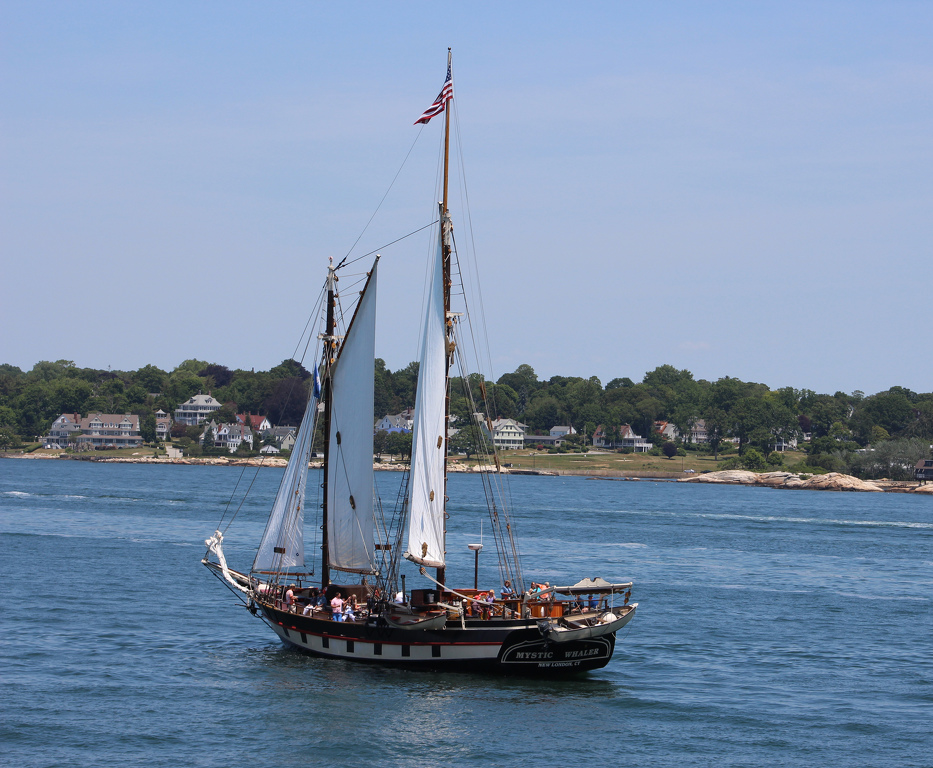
350,609
507,591
290,598
336,606
312,602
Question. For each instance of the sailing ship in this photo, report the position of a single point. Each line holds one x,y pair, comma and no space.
542,630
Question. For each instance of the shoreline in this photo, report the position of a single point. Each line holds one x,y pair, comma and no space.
832,481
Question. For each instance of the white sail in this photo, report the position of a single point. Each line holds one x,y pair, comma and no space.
282,544
350,452
429,433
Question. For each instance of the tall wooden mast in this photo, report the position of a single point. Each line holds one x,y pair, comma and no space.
448,318
330,355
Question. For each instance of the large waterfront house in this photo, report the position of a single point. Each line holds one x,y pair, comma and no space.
196,410
99,430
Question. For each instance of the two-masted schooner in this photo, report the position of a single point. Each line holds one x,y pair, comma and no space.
369,615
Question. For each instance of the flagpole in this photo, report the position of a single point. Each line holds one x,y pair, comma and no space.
447,137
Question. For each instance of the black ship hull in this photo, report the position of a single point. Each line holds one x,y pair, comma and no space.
513,647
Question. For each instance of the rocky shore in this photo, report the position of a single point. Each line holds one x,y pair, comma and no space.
224,461
833,481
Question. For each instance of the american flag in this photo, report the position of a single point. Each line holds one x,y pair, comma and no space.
446,94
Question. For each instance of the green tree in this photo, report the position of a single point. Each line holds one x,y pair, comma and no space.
147,428
717,429
7,438
468,440
398,444
150,378
753,460
879,434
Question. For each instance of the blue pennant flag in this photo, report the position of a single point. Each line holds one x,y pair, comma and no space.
317,384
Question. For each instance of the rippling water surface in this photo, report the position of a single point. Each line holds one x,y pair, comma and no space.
786,628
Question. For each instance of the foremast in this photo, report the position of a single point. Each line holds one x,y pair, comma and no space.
448,317
329,356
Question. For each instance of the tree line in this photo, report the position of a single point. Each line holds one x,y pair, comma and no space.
748,412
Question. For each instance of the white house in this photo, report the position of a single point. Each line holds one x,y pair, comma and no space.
508,434
196,409
626,438
400,422
561,431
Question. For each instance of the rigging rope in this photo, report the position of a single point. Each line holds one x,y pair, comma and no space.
394,178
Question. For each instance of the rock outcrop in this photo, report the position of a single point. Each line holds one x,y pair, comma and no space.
834,481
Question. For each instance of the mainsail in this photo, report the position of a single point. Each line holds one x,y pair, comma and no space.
429,432
350,453
282,544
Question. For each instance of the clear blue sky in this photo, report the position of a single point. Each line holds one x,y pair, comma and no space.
741,189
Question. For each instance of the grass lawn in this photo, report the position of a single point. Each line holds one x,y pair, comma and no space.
141,450
620,463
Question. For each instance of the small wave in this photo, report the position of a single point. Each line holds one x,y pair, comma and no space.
817,520
72,496
19,494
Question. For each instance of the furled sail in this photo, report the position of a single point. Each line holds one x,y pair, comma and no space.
429,433
282,544
350,452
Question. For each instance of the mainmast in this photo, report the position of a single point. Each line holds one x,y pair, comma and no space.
330,355
448,317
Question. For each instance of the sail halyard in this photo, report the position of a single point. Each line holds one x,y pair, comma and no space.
349,470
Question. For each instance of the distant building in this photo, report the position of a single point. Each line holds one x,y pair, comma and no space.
284,437
698,434
508,434
623,437
258,423
923,471
163,425
99,430
228,436
63,430
400,422
196,410
562,431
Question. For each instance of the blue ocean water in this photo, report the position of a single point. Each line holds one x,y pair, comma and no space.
775,628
